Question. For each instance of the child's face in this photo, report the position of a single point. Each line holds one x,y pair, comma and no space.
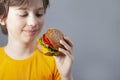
24,23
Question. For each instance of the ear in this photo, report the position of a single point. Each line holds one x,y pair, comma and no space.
2,21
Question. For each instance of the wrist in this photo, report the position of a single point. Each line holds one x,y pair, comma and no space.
67,77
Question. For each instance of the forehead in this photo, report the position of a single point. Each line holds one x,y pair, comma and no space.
26,3
38,3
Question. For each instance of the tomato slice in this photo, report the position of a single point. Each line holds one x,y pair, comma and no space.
46,41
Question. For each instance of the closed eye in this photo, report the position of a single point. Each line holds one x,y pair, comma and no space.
39,15
23,15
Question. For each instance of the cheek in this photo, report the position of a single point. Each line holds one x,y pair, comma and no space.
41,21
14,22
15,26
41,24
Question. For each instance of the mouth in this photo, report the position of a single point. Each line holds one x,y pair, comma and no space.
31,32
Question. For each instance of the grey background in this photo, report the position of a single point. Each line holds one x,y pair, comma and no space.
94,28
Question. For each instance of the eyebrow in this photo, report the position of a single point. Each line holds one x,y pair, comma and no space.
22,8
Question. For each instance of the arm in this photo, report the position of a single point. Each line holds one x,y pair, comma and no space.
65,62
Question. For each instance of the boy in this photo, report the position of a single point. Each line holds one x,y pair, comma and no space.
22,21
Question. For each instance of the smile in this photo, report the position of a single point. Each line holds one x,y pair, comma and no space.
30,32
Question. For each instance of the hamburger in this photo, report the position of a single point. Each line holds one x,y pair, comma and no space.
50,42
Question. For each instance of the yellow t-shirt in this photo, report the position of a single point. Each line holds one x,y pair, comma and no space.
36,67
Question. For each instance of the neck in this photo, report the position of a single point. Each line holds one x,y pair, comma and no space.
19,50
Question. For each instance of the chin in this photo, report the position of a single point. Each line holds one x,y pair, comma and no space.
28,40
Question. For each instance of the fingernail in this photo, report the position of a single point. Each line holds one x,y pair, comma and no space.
60,41
59,49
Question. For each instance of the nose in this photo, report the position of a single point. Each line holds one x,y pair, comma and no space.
32,20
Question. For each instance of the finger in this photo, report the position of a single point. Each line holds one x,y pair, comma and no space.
68,41
67,47
59,58
67,53
39,46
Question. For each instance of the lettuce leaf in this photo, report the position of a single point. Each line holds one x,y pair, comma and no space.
47,49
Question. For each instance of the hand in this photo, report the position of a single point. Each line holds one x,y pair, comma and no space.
64,63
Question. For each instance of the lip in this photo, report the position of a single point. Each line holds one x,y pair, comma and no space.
31,32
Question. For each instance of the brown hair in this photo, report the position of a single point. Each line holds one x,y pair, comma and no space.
4,8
